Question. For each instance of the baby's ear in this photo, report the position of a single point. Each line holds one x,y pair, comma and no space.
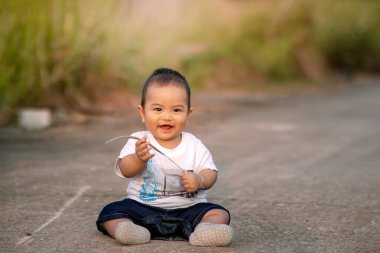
190,111
141,112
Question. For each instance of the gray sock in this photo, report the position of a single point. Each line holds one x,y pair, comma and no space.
207,234
129,233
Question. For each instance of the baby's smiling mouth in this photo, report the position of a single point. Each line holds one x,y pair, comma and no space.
166,127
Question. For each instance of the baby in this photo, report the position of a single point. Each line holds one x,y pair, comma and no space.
166,195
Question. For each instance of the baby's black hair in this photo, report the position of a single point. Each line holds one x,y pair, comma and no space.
163,77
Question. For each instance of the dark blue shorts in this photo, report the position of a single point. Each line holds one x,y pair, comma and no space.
162,223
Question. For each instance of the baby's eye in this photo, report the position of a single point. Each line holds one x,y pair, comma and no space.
177,110
157,109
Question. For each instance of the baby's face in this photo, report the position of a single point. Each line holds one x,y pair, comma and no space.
165,113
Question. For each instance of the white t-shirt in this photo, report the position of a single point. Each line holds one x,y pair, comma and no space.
159,184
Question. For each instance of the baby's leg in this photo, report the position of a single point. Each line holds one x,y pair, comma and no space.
213,229
110,226
126,232
216,216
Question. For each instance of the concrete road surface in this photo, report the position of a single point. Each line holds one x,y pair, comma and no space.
299,174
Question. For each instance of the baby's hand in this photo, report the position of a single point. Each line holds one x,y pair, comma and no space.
190,181
142,149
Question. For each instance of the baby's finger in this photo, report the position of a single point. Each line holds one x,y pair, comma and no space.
185,175
145,156
141,145
142,151
187,188
145,149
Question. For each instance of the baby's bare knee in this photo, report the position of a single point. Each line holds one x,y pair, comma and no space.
217,216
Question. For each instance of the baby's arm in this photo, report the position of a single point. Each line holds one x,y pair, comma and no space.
133,164
204,180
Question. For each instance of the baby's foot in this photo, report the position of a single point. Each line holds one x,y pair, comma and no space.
130,233
207,234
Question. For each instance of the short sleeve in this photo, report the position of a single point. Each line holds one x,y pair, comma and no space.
204,158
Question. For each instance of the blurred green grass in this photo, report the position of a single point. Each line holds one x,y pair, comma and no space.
297,40
66,54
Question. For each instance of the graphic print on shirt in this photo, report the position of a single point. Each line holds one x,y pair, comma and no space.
173,185
149,187
160,182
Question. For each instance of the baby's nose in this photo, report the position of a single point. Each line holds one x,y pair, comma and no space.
167,116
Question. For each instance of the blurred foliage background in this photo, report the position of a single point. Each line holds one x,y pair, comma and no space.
79,54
